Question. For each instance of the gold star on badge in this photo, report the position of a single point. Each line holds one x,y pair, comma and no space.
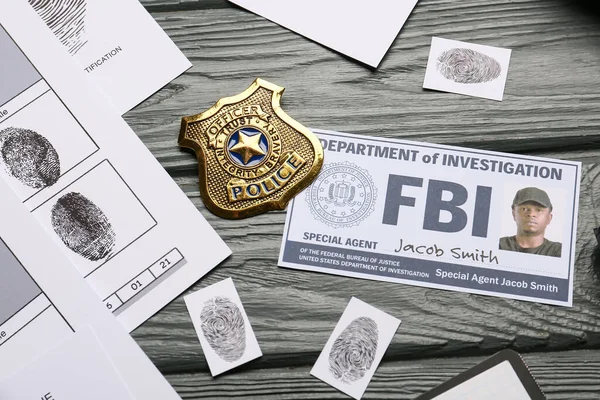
248,146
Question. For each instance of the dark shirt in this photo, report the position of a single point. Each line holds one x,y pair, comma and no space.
548,248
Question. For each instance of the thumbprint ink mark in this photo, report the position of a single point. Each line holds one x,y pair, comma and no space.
29,157
83,227
223,327
468,66
66,19
353,352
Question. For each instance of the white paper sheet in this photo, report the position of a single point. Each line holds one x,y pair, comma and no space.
436,216
466,68
364,33
117,43
355,348
44,300
222,326
90,182
78,368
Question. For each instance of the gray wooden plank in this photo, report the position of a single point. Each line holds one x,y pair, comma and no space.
551,99
562,376
294,312
156,6
550,109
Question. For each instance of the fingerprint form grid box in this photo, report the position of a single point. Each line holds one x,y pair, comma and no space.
23,99
17,288
23,304
222,326
135,287
46,117
117,217
23,317
355,348
17,72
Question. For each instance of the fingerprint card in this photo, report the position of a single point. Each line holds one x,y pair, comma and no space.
355,348
84,174
222,326
466,68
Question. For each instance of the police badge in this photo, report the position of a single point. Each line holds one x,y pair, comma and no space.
252,157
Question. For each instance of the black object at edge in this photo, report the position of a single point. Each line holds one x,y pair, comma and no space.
515,360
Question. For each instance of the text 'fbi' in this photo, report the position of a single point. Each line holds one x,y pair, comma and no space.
435,204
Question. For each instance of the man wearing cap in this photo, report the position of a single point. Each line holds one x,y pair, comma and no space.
532,211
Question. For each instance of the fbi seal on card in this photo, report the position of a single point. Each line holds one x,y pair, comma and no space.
343,195
252,157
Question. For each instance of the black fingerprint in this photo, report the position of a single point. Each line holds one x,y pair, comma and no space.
468,66
29,157
83,227
66,19
353,352
224,329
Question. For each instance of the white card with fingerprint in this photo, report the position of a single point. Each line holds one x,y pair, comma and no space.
466,68
78,368
117,43
355,348
222,326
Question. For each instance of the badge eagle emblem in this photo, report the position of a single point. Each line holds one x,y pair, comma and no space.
252,157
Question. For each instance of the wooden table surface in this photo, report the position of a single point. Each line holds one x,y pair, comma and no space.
550,108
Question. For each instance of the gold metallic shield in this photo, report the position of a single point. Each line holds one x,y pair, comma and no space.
252,157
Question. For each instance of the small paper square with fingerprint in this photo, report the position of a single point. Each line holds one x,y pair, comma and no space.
466,68
355,348
222,326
